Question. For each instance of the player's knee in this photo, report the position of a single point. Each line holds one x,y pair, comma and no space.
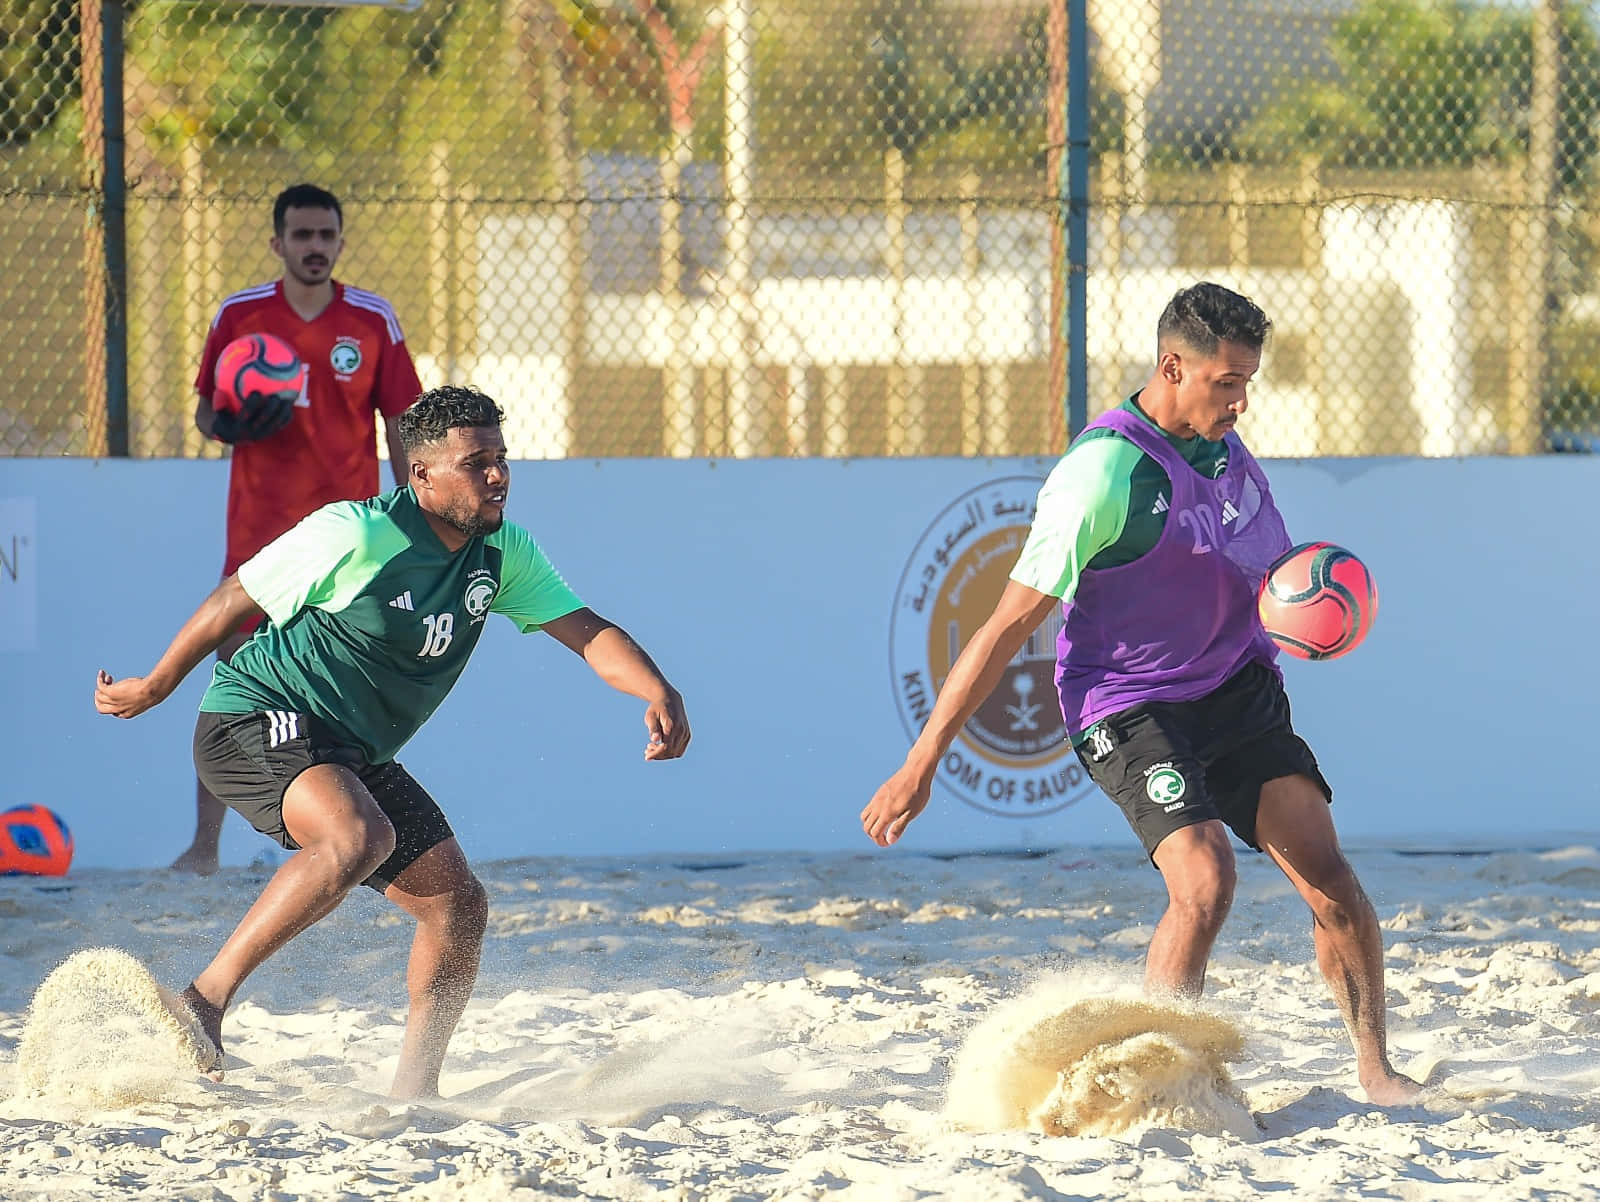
469,908
1205,895
1204,912
359,850
380,841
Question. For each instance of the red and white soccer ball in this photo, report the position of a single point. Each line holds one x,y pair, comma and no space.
256,364
1318,601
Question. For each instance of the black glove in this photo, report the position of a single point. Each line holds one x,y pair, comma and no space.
263,414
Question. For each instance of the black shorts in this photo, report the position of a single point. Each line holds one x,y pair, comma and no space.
249,760
1171,764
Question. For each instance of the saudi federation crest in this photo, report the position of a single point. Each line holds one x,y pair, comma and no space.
1164,784
480,592
1012,758
345,357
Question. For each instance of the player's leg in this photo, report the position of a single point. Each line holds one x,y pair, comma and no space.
428,877
341,837
202,856
1197,865
1271,791
1295,827
1144,759
451,909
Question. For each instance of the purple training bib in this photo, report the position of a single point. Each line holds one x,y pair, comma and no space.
1179,620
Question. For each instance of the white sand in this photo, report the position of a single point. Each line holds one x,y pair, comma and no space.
794,1027
102,1032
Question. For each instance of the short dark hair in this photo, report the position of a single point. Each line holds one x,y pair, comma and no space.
303,196
1206,315
439,410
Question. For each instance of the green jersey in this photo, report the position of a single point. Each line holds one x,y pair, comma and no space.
1105,504
371,619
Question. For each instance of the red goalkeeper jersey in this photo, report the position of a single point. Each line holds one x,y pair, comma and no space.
359,366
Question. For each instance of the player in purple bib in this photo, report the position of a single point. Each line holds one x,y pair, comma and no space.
1124,640
1153,534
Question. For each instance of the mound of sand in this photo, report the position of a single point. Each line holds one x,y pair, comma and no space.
1063,1060
101,1032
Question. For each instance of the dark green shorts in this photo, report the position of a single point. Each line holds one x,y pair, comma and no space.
249,760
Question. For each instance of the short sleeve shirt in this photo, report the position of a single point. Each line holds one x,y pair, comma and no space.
372,619
358,366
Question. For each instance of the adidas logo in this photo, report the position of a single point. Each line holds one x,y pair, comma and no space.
403,601
1161,504
282,726
1228,512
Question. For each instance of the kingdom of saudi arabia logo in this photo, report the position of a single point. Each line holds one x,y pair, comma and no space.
1012,757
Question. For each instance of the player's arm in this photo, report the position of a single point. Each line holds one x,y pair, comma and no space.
972,678
395,388
534,596
619,661
219,615
204,416
1082,509
399,461
219,427
204,411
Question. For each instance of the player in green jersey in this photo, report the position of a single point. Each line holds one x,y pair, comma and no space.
373,608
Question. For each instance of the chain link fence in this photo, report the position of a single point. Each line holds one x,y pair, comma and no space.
823,227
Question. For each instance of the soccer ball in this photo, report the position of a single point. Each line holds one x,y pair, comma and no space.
34,841
1318,601
262,364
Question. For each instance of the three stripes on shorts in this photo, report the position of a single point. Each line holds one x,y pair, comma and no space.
281,727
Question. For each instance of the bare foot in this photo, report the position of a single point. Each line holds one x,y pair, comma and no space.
210,1019
1390,1088
401,1092
198,860
413,1083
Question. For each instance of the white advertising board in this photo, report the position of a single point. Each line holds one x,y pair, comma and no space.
780,595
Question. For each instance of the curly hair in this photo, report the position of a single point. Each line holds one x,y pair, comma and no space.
439,410
1205,315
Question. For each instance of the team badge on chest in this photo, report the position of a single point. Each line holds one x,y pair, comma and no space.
481,589
345,357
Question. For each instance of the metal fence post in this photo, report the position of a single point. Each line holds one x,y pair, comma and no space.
106,255
1055,175
1077,214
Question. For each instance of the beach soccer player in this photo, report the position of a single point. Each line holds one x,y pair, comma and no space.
373,608
1153,533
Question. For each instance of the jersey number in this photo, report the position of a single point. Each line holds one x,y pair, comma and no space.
441,629
1201,522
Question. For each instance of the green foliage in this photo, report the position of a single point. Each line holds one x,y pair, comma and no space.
837,81
963,83
38,65
477,105
357,122
1429,83
1572,398
231,72
611,55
